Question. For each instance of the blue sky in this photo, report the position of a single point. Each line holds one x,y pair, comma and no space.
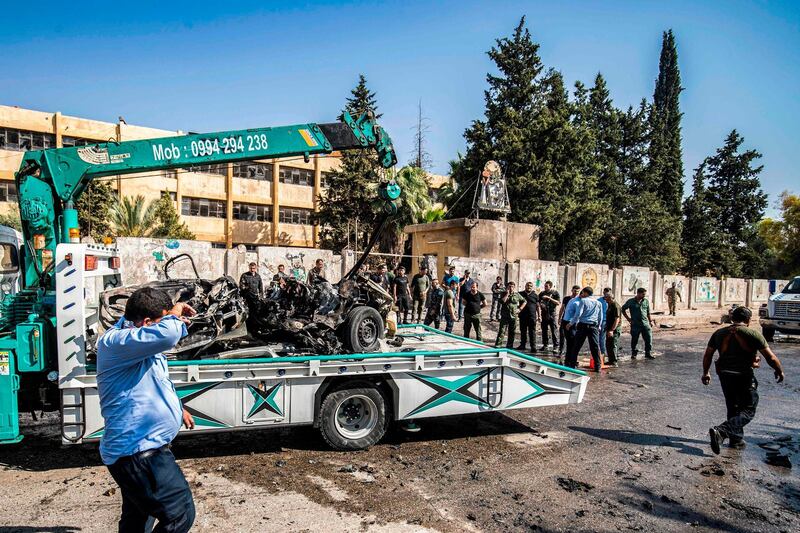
205,66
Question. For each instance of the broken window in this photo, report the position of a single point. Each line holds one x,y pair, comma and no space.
203,207
295,215
77,141
219,168
252,170
14,139
8,191
252,212
296,176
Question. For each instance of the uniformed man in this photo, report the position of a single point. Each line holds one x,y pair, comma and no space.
527,318
435,299
420,285
673,293
511,303
449,306
613,328
640,321
250,284
549,300
317,272
498,288
738,346
474,301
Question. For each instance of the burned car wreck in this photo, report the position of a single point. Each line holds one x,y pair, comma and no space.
293,318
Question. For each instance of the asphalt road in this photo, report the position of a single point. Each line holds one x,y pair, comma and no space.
633,456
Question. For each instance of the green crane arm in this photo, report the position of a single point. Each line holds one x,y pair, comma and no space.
50,181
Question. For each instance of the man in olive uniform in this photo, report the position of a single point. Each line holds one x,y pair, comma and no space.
528,317
317,273
511,303
613,328
420,285
738,346
640,321
672,294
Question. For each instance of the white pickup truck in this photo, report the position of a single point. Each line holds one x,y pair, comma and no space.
782,311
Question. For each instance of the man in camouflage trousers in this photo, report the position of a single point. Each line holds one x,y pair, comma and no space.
511,303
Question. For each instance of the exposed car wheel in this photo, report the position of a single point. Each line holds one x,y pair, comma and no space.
363,330
353,419
768,333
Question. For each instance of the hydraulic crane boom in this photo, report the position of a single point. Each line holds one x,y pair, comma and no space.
50,181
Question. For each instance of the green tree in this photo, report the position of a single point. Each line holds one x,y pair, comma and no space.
699,232
735,187
131,216
528,129
411,206
347,203
94,208
169,225
665,154
11,218
782,237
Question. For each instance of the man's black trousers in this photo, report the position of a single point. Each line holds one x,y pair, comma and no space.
153,487
741,400
527,330
583,332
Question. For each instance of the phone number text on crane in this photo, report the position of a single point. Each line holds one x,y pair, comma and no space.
236,144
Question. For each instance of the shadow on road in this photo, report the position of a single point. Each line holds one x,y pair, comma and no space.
43,451
682,444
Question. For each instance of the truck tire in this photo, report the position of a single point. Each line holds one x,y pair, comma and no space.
363,330
769,333
353,419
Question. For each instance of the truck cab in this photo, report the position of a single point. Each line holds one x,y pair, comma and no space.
782,312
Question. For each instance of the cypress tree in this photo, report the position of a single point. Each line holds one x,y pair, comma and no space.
351,187
665,155
699,232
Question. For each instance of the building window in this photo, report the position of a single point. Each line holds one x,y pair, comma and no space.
218,245
252,212
20,140
252,170
203,207
66,142
295,215
219,168
323,180
297,176
8,191
249,247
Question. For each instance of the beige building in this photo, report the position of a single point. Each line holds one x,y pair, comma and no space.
266,202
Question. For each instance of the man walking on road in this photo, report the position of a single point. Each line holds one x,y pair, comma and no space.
585,322
672,294
565,315
435,298
527,318
511,303
420,285
738,346
143,414
548,303
474,301
498,288
640,321
613,328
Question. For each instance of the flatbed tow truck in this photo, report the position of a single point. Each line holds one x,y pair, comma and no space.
351,397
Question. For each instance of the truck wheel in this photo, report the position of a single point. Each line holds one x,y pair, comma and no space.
353,419
363,330
769,333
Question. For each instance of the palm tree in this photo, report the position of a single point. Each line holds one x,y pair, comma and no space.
131,217
411,205
435,213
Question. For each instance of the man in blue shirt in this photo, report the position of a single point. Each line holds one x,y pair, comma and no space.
585,322
143,414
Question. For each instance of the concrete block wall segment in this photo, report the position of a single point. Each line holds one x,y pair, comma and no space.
143,260
485,271
734,291
705,293
757,292
538,272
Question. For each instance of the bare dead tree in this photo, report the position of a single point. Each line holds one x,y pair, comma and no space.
420,156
